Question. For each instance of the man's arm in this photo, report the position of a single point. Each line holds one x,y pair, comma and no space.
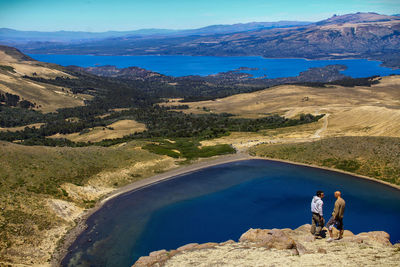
335,210
319,208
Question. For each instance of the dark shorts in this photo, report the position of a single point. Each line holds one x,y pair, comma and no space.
338,222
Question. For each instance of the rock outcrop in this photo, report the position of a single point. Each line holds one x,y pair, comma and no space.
282,247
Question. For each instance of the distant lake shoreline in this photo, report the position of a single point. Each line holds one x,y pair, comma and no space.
179,66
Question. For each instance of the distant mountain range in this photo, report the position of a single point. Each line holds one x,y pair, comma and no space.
10,36
359,35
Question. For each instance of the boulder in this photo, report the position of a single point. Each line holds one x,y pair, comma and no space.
158,253
335,232
376,236
274,238
289,240
155,258
307,238
207,245
300,248
347,233
145,261
306,228
227,242
188,247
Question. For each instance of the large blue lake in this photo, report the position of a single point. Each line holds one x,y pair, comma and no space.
200,65
219,203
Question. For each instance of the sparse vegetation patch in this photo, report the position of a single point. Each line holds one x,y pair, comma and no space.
30,176
187,148
377,157
7,68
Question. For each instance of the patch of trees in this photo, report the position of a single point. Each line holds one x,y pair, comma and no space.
172,124
7,68
11,100
51,128
188,148
191,88
108,92
141,98
160,122
177,107
13,117
347,82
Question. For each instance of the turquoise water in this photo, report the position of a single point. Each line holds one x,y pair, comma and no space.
201,65
222,202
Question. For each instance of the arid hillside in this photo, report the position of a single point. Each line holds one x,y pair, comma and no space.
44,190
350,111
115,130
15,68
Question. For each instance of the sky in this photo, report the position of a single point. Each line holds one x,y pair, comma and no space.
123,15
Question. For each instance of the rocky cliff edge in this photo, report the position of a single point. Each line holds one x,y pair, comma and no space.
283,247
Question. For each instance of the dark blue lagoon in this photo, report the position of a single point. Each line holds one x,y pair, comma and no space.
202,65
219,203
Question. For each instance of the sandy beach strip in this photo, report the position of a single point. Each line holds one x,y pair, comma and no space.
71,236
171,174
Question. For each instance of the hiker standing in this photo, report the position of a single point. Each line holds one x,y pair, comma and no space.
337,217
317,214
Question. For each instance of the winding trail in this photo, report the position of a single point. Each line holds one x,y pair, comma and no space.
317,134
243,146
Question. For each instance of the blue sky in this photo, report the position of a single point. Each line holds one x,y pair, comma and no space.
122,15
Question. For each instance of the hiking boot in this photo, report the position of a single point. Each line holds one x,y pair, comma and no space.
340,234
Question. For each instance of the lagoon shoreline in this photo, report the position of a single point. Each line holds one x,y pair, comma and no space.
69,238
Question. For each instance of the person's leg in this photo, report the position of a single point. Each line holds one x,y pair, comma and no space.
330,232
313,224
329,225
321,224
339,226
341,234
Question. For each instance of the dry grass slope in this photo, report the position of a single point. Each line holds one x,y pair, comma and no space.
377,157
115,130
43,189
48,98
354,111
20,128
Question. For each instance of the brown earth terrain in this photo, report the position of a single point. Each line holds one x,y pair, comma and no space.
350,111
371,156
115,130
45,190
47,98
20,128
286,247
